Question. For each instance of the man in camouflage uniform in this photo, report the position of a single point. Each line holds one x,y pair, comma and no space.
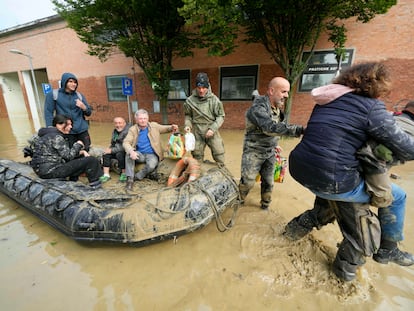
263,127
204,115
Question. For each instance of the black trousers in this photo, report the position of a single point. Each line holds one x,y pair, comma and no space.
120,156
359,226
88,165
84,137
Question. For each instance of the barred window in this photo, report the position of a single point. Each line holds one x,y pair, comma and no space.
238,83
179,85
322,68
114,88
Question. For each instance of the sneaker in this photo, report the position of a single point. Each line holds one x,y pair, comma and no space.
395,255
104,178
123,178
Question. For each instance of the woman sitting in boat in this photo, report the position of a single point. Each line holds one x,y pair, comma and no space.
53,157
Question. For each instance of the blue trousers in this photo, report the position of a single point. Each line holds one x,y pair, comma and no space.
391,218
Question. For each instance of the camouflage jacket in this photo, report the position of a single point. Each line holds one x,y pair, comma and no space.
205,111
264,125
52,149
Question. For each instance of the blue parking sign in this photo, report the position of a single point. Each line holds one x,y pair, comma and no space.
127,86
47,88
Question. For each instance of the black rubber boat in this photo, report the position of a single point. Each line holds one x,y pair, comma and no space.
152,213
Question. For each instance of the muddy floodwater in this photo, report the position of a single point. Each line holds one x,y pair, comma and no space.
249,267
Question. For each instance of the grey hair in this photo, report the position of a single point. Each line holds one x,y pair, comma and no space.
141,111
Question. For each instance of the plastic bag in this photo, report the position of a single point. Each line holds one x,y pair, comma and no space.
279,170
176,146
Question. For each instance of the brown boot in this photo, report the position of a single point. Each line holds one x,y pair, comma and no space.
129,184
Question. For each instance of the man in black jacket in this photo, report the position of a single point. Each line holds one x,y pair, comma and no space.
115,150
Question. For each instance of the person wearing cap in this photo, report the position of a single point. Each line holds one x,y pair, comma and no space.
204,115
71,103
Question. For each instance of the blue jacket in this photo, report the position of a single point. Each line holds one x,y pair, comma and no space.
66,105
325,159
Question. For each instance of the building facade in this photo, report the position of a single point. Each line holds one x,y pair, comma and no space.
47,48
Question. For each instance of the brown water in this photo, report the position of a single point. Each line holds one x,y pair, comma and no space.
250,267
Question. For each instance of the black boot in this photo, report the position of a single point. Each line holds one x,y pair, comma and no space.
299,226
389,251
344,270
347,261
319,216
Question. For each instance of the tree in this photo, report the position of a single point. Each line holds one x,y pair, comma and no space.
284,27
150,31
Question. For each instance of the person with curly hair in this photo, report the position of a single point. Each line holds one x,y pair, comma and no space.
347,115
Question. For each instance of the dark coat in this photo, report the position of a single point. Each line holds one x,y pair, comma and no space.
52,149
325,159
117,139
264,126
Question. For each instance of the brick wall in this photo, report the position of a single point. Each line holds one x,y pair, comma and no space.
57,49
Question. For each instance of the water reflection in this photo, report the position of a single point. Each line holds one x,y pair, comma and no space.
15,132
247,268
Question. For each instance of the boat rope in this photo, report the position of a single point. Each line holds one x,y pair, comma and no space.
221,226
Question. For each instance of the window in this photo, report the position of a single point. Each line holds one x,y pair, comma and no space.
238,83
179,85
322,68
114,88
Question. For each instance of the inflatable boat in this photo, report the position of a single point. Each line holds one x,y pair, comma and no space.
151,213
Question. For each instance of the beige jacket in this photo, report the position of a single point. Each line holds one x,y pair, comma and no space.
154,133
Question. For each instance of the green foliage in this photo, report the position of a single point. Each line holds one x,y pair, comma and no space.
286,28
153,32
150,31
216,22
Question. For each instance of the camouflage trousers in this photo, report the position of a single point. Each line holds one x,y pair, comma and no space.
215,144
254,163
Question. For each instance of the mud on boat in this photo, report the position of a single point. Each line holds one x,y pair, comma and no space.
151,213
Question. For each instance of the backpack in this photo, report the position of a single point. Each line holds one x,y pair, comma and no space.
56,93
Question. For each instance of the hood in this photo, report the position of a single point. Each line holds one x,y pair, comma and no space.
65,77
47,130
327,93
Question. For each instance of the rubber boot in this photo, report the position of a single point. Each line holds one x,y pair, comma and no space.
319,216
243,189
347,261
266,200
299,226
